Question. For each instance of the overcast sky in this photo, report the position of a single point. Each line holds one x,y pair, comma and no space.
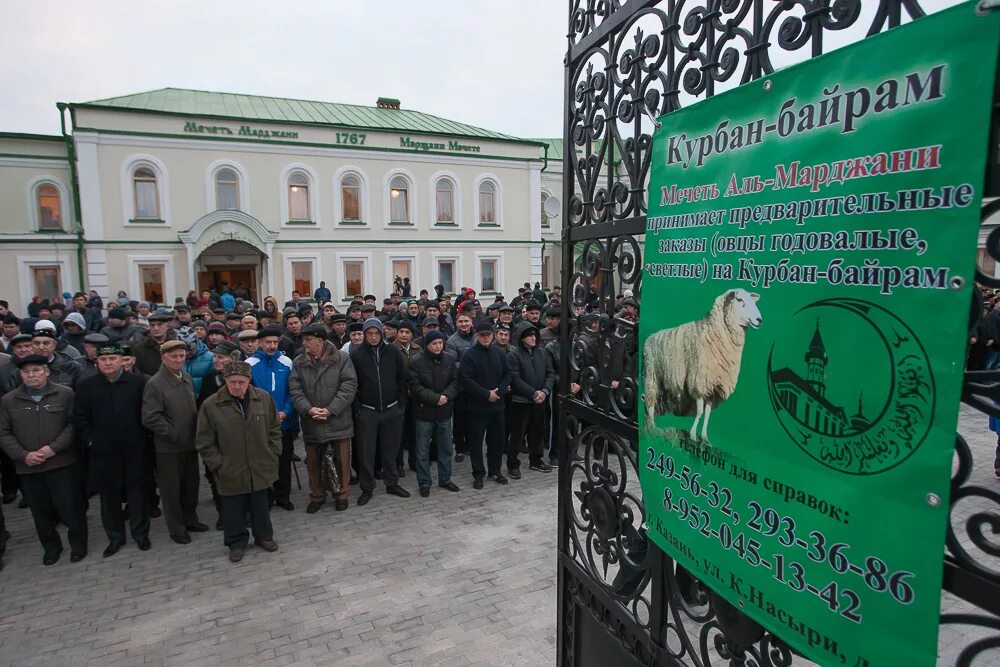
492,63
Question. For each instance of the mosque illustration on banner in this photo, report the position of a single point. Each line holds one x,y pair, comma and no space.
805,398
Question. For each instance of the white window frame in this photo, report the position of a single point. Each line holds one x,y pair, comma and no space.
456,258
414,260
243,187
34,214
166,261
498,225
498,256
338,204
289,277
366,287
545,194
314,223
411,192
26,283
456,191
129,165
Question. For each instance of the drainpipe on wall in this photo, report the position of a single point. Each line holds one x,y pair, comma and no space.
75,188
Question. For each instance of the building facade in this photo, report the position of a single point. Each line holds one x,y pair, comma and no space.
174,190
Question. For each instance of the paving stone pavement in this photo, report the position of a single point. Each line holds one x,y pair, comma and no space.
454,579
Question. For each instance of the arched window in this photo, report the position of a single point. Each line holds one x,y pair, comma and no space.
227,190
444,194
298,197
145,195
399,200
487,203
350,198
546,221
49,208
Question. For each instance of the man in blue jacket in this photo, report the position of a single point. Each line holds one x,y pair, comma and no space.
269,370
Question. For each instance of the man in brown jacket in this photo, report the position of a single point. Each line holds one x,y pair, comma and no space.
239,437
36,433
169,411
322,385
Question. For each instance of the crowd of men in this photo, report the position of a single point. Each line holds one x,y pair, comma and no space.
123,403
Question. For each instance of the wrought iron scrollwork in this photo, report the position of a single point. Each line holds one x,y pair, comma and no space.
628,62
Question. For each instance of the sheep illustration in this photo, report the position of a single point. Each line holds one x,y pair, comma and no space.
691,368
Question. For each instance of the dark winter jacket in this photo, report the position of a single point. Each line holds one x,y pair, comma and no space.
27,426
291,345
431,376
62,370
73,340
381,376
530,368
147,354
123,334
329,383
210,384
107,417
241,446
483,369
458,343
169,411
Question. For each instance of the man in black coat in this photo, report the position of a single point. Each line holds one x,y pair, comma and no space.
484,374
434,386
532,379
107,416
382,382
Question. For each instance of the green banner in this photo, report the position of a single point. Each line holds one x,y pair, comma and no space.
810,252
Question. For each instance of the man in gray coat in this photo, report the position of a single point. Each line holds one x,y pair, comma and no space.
36,433
169,411
322,385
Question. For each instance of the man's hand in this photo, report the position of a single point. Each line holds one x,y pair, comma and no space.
614,384
46,452
539,396
34,459
442,400
494,396
315,413
574,388
282,416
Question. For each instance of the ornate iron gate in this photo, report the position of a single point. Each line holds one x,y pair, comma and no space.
622,601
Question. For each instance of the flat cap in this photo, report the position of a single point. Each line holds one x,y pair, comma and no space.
315,330
247,334
227,349
172,345
338,317
118,314
31,360
20,338
269,331
96,339
431,322
158,317
484,326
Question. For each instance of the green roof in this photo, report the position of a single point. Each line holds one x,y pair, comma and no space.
555,147
183,102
